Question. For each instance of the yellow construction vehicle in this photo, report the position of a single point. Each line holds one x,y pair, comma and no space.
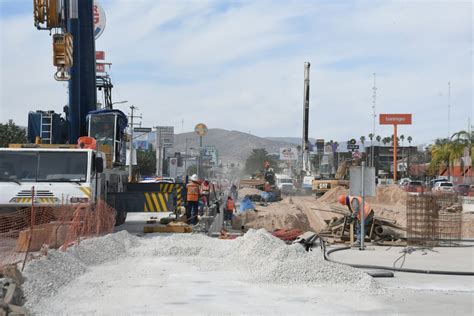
321,186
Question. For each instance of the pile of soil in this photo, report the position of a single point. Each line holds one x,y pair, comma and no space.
390,195
249,191
332,195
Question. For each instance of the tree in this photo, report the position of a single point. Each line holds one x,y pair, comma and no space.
255,161
402,137
362,140
371,136
409,139
445,154
378,139
146,163
467,140
11,134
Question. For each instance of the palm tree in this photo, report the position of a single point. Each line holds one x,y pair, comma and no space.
445,154
371,136
467,140
386,140
402,137
378,139
362,140
409,139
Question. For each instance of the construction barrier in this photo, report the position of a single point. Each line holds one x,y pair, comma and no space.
151,197
29,232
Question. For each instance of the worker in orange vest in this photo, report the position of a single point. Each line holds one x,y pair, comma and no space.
354,204
205,192
229,210
192,199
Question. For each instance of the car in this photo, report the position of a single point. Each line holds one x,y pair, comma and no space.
404,182
443,187
414,187
462,189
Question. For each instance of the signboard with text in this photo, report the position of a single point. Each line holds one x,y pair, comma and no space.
395,119
288,153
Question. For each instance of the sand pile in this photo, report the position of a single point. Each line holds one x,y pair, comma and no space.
332,195
248,191
391,195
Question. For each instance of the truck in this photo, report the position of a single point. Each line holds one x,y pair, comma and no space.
53,175
285,184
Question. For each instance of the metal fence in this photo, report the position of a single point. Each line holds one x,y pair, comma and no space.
434,220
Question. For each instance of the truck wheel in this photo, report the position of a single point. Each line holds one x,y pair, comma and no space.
120,217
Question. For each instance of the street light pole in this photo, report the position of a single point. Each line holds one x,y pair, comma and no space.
130,154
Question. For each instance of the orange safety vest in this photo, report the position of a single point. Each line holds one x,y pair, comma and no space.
230,205
192,192
367,208
205,189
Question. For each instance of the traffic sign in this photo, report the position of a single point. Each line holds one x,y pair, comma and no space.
351,146
142,129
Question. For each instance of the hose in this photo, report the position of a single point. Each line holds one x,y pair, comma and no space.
364,266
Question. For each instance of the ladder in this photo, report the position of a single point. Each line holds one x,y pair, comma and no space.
46,131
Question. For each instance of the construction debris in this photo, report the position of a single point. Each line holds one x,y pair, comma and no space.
11,293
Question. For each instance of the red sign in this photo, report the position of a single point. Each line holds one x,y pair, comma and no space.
99,67
100,55
395,119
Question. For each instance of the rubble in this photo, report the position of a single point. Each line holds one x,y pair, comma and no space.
11,293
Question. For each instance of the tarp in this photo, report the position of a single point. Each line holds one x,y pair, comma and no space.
246,204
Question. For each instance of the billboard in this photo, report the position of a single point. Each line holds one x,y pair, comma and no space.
395,119
210,153
165,136
288,153
201,129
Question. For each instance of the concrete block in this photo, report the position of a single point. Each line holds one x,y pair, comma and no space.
14,295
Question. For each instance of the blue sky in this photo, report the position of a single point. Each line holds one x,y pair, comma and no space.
238,65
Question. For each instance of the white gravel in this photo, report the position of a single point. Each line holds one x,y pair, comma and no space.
45,276
257,257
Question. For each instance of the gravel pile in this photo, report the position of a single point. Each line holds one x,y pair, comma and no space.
46,275
261,258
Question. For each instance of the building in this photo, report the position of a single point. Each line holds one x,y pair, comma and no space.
383,160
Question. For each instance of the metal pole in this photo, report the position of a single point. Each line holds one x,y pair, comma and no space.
394,153
305,148
130,154
186,159
362,210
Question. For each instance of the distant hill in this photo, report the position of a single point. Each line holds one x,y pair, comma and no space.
233,146
292,140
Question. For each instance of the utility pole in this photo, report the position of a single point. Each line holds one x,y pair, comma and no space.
305,148
374,116
449,110
130,154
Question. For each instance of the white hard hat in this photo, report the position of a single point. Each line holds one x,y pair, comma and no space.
194,177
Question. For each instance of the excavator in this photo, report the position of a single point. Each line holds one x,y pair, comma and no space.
319,187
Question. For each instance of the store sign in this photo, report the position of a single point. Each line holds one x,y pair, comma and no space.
395,119
288,153
99,20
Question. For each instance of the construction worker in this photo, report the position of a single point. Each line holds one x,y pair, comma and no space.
267,187
192,199
205,192
229,210
354,203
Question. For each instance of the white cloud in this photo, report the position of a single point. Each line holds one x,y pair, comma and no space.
241,67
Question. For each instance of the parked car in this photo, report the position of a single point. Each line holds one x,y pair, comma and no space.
414,187
443,187
462,189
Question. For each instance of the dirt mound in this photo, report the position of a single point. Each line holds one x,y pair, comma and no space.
332,195
390,195
248,191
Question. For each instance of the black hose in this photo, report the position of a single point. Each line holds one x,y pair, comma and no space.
364,266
